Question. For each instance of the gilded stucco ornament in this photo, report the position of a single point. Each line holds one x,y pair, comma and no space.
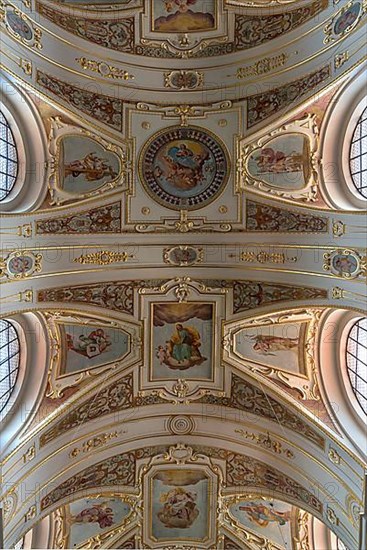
185,112
104,257
265,65
24,230
30,454
331,516
183,80
266,442
334,456
104,69
95,442
340,59
264,257
9,506
22,296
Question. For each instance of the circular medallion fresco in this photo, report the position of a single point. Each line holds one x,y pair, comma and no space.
184,168
19,26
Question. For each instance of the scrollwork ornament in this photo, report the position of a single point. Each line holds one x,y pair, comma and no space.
331,516
182,291
266,442
183,80
180,388
95,443
31,513
265,65
9,505
29,454
334,456
104,257
104,69
339,228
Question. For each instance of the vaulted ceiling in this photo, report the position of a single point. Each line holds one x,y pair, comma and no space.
181,263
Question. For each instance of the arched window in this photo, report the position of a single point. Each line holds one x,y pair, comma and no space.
357,361
8,158
9,361
358,155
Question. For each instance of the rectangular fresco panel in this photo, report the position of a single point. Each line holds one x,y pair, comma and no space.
180,505
182,341
280,346
183,15
88,346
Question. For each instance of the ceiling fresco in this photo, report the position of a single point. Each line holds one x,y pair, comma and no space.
174,279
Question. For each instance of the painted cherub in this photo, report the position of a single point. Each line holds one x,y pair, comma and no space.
161,354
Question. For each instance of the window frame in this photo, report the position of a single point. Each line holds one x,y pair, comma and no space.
6,176
5,405
358,360
356,118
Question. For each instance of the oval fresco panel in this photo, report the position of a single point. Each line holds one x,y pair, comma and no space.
184,168
283,162
20,265
19,26
84,165
344,265
347,19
